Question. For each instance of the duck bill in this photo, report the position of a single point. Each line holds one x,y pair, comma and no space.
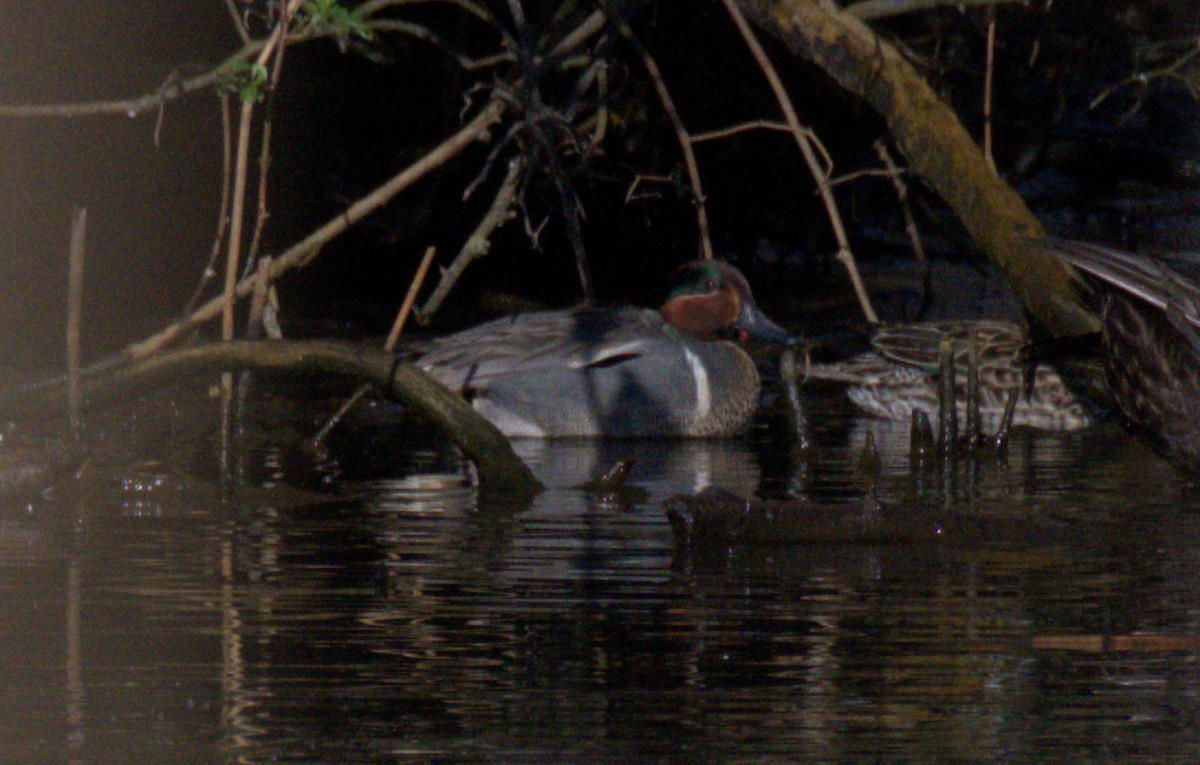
754,324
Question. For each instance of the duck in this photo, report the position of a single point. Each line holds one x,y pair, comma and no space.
899,375
1149,341
617,372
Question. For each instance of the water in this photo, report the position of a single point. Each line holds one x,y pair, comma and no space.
357,606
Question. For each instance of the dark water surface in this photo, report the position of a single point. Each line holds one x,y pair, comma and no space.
357,606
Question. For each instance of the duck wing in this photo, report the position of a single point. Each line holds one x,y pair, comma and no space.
909,352
1170,283
998,343
543,340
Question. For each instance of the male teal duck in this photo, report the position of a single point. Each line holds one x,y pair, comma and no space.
1149,341
616,372
900,375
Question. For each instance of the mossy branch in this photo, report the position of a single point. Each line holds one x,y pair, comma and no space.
501,471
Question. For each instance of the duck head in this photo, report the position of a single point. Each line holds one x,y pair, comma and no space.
710,298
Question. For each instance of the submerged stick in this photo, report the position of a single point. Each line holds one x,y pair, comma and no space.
973,425
920,437
1000,442
947,407
74,314
797,418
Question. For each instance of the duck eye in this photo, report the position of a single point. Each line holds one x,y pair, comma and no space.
710,285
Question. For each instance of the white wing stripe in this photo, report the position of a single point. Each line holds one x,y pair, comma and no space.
703,388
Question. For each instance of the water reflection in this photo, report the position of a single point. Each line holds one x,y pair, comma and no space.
356,606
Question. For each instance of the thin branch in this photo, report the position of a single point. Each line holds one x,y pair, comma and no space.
134,106
236,216
1143,79
633,193
409,299
805,140
590,26
426,35
744,127
275,47
372,7
262,214
210,268
171,89
681,135
910,223
479,242
858,174
237,21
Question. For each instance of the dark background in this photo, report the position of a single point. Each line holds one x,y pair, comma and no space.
344,122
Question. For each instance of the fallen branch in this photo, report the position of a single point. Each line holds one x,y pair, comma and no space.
500,470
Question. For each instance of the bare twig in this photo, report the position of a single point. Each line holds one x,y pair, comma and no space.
172,87
409,299
681,135
372,7
713,135
237,21
262,214
910,223
422,33
132,107
236,215
210,269
479,242
634,193
275,47
1142,79
805,140
858,174
590,26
